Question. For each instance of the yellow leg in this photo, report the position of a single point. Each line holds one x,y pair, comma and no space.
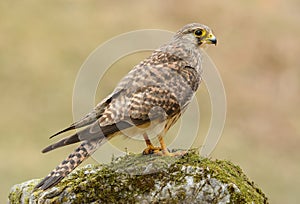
150,148
165,151
163,145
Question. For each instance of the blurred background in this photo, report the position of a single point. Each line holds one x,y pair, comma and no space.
43,45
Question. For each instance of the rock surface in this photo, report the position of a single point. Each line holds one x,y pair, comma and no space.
136,178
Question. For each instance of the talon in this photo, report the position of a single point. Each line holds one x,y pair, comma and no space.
151,150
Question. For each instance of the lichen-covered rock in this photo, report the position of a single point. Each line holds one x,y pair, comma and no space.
136,178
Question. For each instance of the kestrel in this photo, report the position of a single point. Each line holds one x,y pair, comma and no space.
150,98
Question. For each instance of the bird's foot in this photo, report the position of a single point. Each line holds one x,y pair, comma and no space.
151,150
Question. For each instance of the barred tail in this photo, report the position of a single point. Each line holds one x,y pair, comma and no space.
69,164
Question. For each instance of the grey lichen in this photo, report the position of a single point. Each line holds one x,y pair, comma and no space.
136,178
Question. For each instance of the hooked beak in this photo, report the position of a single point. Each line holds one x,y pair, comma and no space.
211,39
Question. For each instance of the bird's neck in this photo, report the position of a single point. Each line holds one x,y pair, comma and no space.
186,51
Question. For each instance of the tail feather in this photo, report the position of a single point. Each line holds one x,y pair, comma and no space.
69,164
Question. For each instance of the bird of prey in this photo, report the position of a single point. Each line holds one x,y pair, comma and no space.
152,96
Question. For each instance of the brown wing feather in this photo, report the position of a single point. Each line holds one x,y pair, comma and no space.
66,141
91,117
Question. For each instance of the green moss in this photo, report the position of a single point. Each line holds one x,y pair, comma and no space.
136,178
227,172
15,195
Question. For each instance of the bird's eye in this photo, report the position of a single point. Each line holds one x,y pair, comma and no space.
199,32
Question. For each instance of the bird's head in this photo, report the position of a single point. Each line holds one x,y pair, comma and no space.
197,34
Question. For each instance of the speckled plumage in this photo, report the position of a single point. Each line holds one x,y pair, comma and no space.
157,90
